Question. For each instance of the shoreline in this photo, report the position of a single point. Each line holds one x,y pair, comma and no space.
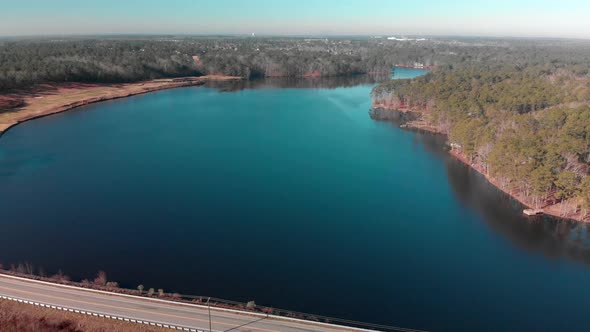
548,210
49,99
421,125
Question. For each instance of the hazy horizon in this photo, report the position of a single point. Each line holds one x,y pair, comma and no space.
528,19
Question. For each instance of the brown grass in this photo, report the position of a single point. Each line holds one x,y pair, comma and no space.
46,99
25,317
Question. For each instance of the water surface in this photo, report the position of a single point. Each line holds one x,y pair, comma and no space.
405,73
293,197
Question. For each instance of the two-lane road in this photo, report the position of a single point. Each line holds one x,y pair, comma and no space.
151,310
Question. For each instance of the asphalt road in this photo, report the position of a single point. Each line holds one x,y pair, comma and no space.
154,311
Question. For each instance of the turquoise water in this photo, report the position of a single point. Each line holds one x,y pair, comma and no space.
404,73
294,198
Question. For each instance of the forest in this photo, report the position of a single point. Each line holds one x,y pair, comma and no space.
525,124
518,109
26,62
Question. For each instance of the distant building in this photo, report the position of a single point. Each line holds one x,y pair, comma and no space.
406,39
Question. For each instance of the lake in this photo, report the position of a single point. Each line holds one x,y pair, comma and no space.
290,195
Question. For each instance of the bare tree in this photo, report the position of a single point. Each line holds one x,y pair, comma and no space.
60,276
29,269
101,278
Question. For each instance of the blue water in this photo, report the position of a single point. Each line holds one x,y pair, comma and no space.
405,73
294,198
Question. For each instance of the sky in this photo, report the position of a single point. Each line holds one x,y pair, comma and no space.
516,18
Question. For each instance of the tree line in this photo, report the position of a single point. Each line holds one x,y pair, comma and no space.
527,125
32,61
24,63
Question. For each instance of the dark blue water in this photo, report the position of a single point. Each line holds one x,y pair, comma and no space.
295,198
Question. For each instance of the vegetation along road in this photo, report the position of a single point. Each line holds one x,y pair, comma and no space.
151,311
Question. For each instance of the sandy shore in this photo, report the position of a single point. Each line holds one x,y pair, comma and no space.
47,99
552,209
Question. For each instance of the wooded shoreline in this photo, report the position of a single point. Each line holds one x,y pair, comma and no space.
49,99
420,124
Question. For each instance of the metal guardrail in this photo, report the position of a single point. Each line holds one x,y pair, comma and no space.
228,304
101,315
213,302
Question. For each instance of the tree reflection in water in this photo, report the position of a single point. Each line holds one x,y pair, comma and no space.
553,237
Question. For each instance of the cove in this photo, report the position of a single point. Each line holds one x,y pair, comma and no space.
290,195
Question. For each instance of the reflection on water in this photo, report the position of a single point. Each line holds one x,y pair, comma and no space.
298,83
294,198
552,237
397,118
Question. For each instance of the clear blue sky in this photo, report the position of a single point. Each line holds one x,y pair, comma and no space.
545,18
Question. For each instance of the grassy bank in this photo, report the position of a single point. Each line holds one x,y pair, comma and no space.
47,99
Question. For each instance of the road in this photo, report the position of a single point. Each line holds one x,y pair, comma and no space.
191,317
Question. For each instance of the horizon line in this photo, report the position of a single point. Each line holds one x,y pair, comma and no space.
257,35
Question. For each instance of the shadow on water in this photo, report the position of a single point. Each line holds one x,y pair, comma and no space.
106,211
552,237
395,118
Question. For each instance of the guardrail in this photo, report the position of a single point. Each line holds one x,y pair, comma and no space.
245,308
282,313
101,315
